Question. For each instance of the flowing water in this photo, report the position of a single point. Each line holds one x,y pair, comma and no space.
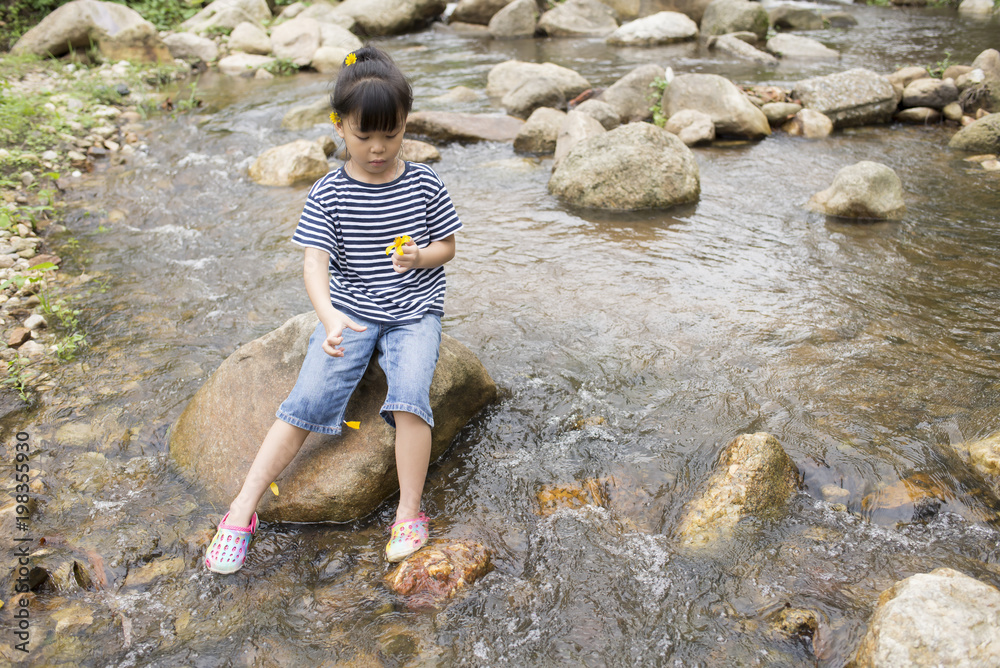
628,347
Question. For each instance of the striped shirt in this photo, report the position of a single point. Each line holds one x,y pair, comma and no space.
355,221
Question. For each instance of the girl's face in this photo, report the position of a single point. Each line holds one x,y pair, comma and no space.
372,154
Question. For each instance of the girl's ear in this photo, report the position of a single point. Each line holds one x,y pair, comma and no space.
339,127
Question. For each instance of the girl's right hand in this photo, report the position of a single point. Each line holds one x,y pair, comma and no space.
334,334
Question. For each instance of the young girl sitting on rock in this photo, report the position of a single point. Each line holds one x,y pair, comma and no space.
376,234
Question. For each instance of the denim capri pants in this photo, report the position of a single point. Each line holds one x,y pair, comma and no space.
407,353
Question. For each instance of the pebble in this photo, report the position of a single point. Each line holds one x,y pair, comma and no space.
32,349
111,145
27,178
4,154
76,174
6,262
76,156
35,321
73,104
992,165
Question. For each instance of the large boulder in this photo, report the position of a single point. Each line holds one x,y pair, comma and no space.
243,64
692,8
250,38
446,126
328,59
419,151
732,112
982,91
517,19
941,618
785,45
539,133
333,478
726,16
977,8
734,46
334,35
634,166
754,477
854,97
790,17
477,11
578,18
228,14
867,190
632,96
305,116
327,14
982,136
933,93
118,32
190,47
296,40
575,127
297,161
508,75
625,10
660,28
390,17
532,94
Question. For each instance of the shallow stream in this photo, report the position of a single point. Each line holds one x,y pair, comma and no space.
629,348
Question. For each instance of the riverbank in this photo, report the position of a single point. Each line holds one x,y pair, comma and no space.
61,120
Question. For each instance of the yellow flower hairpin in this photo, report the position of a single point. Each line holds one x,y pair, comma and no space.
397,245
350,60
334,116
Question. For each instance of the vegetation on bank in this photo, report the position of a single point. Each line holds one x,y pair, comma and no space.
58,119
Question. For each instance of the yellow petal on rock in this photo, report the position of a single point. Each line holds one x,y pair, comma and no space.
353,425
274,488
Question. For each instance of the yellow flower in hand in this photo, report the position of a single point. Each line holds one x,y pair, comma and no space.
350,60
398,244
353,425
274,488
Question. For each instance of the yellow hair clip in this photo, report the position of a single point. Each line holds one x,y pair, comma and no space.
350,60
334,116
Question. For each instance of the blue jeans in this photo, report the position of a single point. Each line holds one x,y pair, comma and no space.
407,353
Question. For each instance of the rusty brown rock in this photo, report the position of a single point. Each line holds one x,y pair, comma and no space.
18,336
333,478
577,495
437,572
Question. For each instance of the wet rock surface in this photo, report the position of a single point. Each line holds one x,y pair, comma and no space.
295,162
733,114
854,97
754,477
439,572
446,126
941,618
333,478
866,190
634,166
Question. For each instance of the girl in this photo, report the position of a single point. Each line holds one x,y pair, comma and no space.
364,299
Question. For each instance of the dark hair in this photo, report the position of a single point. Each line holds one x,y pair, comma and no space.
373,89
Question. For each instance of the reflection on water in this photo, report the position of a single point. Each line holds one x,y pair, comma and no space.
866,349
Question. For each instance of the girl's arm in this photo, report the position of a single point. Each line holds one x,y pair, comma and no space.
434,254
317,278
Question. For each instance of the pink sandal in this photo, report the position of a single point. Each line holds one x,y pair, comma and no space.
407,537
228,550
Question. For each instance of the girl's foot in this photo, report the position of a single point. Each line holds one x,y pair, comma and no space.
407,537
228,550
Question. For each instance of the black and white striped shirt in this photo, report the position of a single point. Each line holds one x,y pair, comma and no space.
355,221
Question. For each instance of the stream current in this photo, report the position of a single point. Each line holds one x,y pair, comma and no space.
627,347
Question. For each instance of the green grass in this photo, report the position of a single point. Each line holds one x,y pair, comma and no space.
656,96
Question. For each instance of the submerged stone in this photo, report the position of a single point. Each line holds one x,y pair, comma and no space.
438,572
866,190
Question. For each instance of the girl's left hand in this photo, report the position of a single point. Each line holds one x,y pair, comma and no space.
408,260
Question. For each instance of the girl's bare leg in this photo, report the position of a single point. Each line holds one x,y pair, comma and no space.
280,446
413,455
